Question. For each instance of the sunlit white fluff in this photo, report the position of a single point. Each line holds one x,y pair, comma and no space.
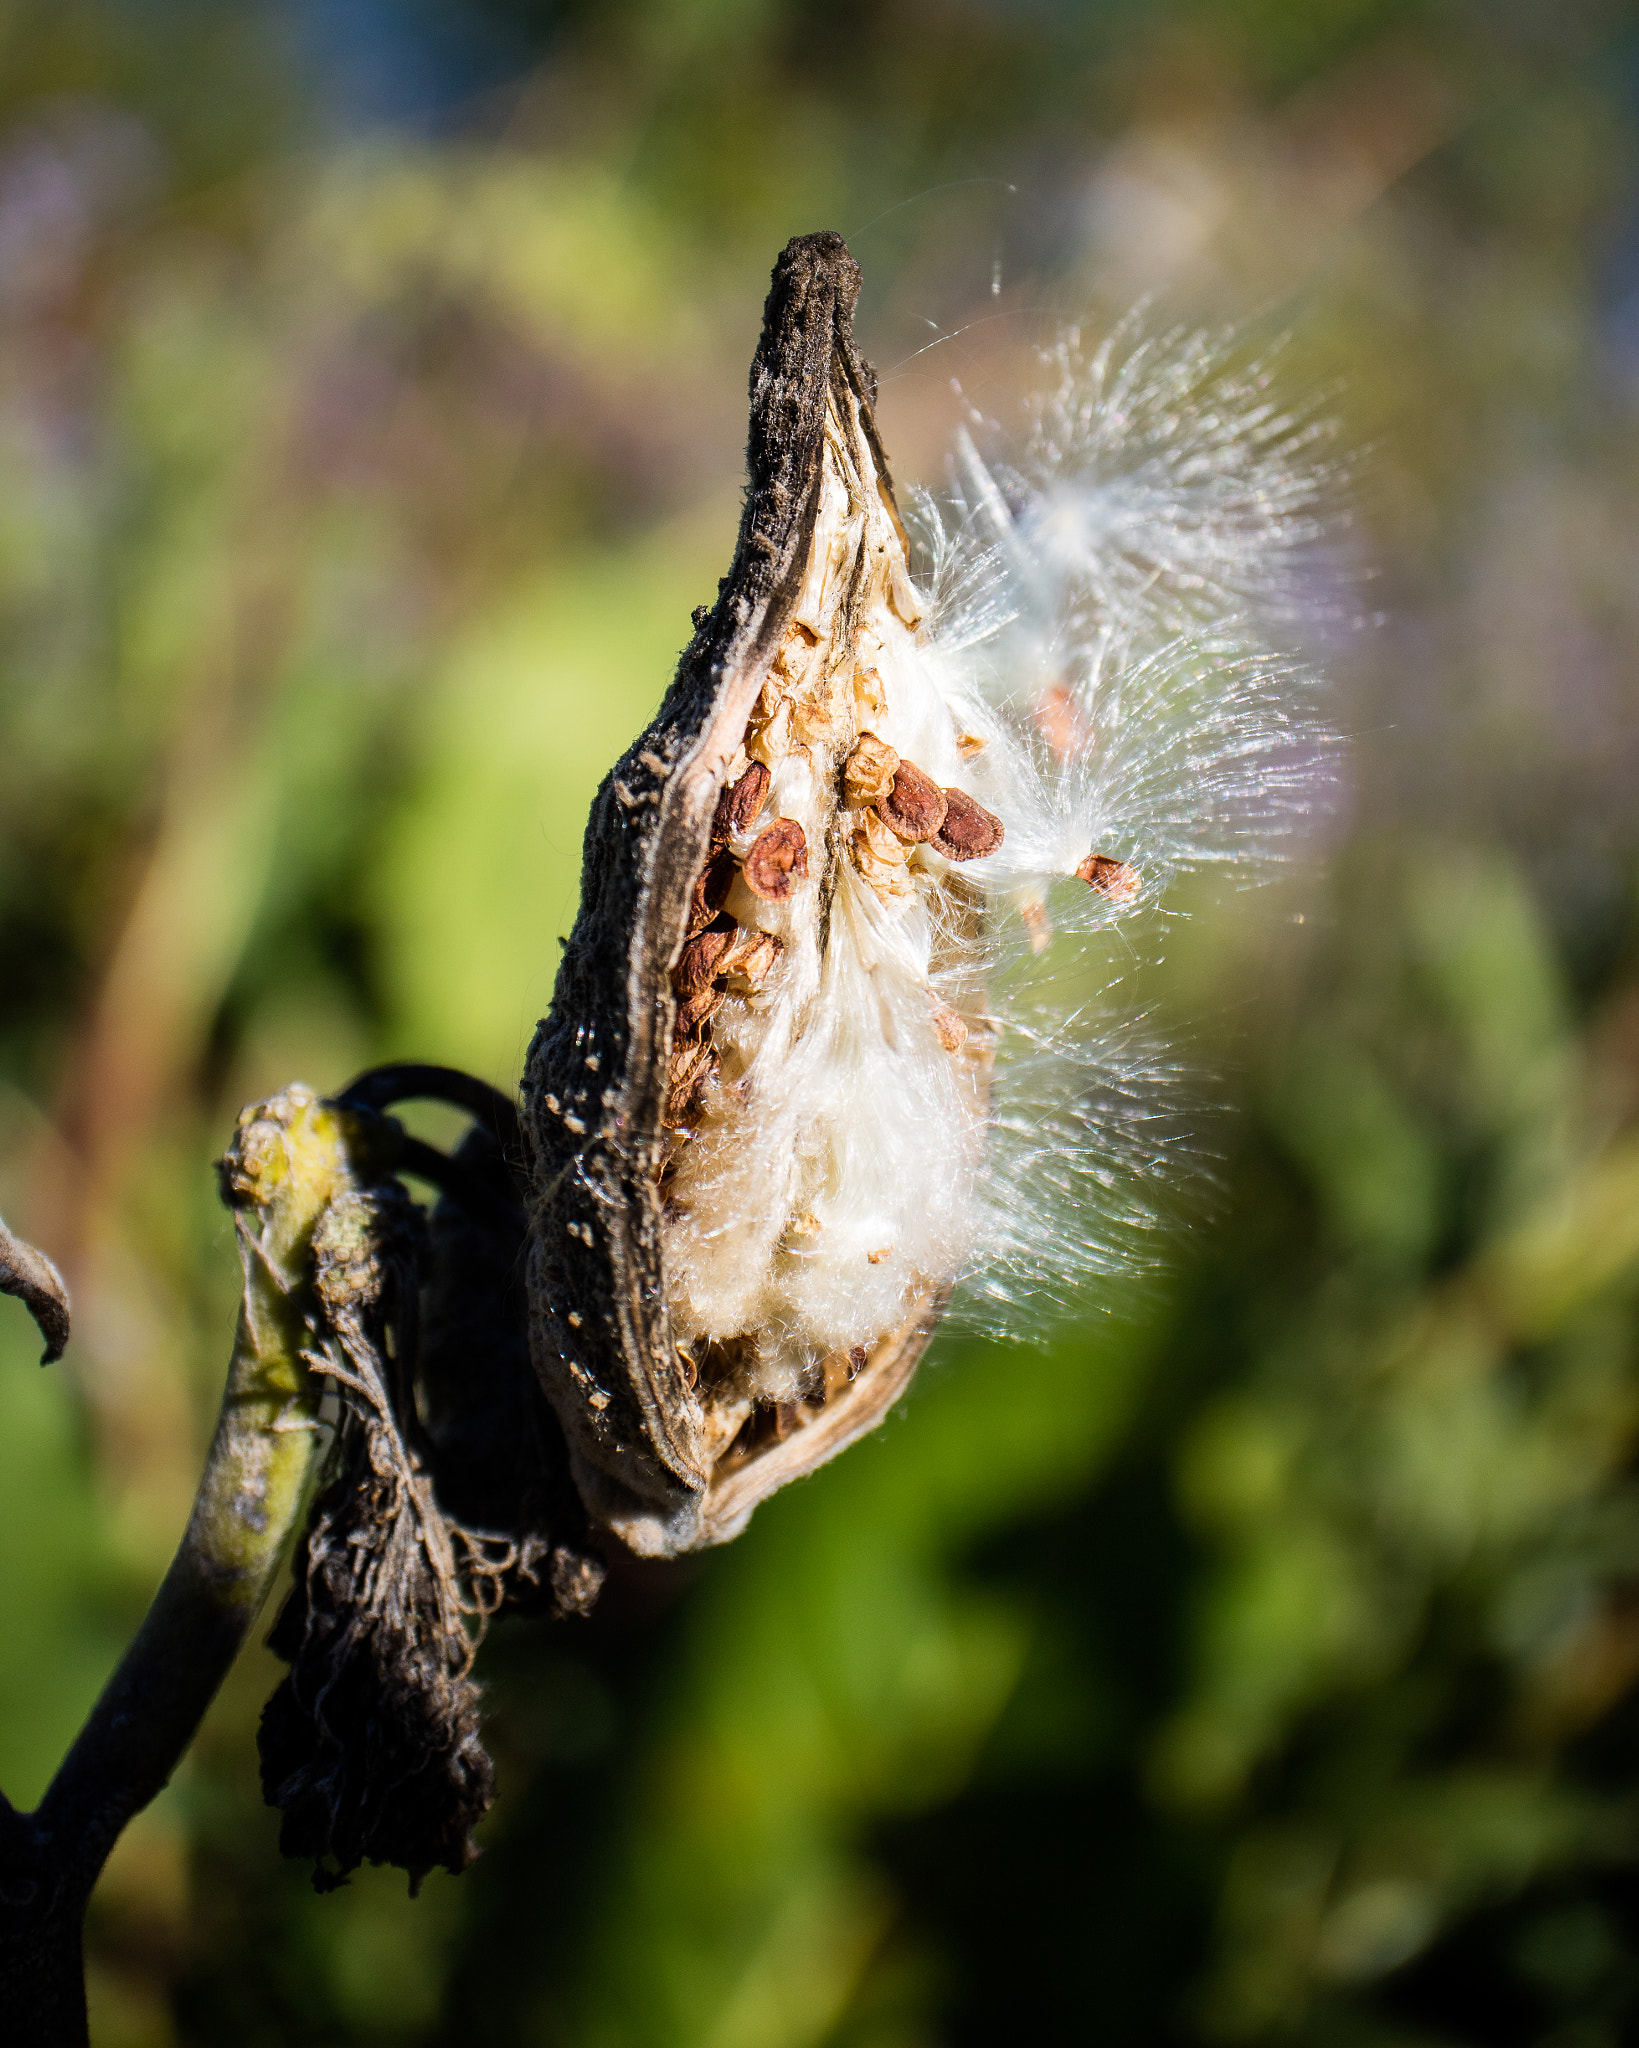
1099,656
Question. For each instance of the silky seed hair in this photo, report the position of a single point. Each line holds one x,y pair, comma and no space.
1073,704
1122,587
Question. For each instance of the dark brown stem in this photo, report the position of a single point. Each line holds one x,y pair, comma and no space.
287,1163
37,1284
416,1080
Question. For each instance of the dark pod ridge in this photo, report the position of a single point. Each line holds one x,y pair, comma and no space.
605,1086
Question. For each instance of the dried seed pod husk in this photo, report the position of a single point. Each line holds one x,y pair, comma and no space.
681,1322
870,771
776,856
750,957
497,1451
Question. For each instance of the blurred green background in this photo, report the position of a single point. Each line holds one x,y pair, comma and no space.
1256,1662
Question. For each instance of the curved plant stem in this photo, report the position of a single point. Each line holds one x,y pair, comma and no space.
37,1284
288,1161
415,1080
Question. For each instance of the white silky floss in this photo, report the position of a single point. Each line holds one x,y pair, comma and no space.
1093,656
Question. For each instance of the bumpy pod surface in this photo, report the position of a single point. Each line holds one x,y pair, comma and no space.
761,1088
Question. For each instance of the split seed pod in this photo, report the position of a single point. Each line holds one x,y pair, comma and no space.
762,1074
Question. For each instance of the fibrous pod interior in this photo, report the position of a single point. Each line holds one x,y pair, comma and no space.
756,1109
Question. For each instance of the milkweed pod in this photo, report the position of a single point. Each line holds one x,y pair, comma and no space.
755,1111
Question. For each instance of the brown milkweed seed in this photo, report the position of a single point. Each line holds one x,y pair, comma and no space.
740,802
1111,878
711,889
776,855
950,1030
869,773
702,958
968,831
915,806
694,1010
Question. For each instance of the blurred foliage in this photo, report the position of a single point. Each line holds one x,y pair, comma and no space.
1255,1663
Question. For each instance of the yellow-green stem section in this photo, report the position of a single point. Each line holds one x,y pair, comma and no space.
288,1161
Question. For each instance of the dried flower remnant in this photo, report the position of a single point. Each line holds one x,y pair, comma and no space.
371,1746
773,1110
445,1497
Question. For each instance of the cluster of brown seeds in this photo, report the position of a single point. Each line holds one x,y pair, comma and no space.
913,806
721,957
903,807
